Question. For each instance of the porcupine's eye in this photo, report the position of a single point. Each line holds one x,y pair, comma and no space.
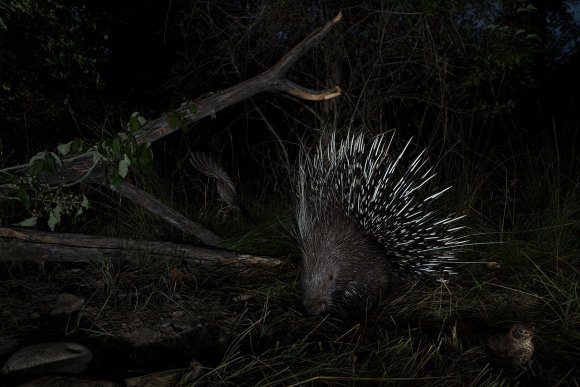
332,274
521,332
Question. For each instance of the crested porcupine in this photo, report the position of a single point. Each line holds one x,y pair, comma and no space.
367,225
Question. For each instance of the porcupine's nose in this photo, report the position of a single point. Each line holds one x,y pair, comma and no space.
317,307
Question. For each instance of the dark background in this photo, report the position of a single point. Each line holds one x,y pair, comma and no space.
500,78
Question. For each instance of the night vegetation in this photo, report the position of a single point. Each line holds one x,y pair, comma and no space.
491,88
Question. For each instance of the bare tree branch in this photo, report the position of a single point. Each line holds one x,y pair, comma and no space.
273,79
91,168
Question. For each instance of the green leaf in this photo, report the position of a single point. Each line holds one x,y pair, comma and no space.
116,147
124,166
64,149
36,157
77,145
85,203
116,180
41,163
54,218
193,109
97,156
145,156
131,150
173,120
136,122
102,149
80,210
56,159
531,7
35,168
30,222
134,125
23,196
528,9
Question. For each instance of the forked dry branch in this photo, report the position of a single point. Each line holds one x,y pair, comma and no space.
83,168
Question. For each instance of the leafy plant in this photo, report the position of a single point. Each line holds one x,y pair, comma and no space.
42,200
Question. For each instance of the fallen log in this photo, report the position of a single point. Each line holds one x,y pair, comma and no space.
24,244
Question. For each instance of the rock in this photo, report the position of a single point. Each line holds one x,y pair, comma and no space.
67,303
47,358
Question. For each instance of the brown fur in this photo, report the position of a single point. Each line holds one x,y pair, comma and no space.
342,269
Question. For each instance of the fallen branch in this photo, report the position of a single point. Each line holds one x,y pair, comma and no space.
31,245
90,169
273,79
145,199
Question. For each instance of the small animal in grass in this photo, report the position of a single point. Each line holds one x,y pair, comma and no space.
511,350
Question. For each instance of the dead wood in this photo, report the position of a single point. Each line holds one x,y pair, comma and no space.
83,168
145,199
31,245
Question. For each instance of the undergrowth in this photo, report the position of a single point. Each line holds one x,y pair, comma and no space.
522,266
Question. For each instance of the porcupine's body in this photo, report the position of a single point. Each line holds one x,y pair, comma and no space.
366,225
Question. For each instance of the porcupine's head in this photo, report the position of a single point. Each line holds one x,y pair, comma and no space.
342,269
365,225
